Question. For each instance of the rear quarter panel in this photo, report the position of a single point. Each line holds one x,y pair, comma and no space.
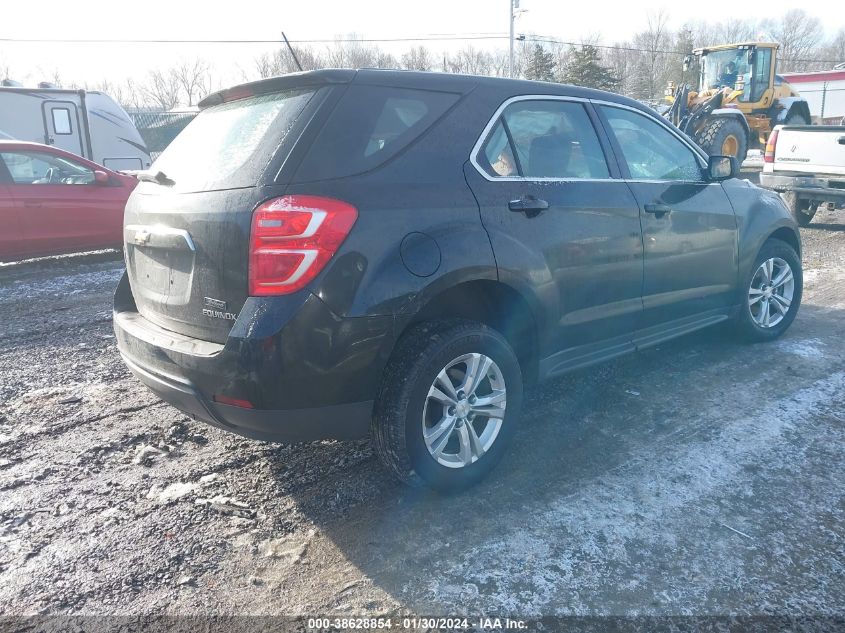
421,190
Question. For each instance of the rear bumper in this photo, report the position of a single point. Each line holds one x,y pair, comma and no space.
295,398
346,421
813,188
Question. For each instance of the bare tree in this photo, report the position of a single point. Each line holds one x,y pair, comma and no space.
281,62
417,58
352,53
470,61
386,60
499,63
800,36
115,90
129,94
193,79
729,32
835,51
650,64
162,89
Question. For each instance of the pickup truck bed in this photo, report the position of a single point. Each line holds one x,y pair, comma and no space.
806,165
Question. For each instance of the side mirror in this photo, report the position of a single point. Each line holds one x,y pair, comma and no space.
722,167
101,177
687,62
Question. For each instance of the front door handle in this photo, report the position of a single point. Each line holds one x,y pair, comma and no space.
841,140
529,205
32,203
658,209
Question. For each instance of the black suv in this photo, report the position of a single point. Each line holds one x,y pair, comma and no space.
339,253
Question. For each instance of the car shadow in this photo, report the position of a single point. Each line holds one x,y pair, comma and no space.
577,432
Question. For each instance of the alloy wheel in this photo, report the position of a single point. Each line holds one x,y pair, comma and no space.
464,410
771,293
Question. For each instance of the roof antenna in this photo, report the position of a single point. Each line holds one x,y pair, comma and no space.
292,54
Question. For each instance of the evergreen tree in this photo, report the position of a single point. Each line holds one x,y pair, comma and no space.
541,65
585,69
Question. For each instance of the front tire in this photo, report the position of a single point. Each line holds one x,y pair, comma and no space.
724,136
772,292
449,403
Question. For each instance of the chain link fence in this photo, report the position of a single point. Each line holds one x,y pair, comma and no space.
159,128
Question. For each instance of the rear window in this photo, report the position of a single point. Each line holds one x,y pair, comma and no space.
370,125
227,146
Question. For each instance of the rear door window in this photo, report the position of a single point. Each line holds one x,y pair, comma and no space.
544,139
370,125
498,154
228,146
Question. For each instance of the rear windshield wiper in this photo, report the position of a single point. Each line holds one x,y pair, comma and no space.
160,178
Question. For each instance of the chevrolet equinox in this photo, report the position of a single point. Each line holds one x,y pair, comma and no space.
341,253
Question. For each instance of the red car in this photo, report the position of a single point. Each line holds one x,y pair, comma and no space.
53,202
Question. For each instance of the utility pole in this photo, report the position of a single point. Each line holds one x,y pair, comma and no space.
512,6
514,10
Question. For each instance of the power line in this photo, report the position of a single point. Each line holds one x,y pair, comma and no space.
617,47
444,37
422,38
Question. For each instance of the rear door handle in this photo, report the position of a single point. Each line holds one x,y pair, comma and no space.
529,205
32,203
658,209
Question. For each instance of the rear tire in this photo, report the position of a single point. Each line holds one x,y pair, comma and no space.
721,135
796,119
800,209
771,294
447,443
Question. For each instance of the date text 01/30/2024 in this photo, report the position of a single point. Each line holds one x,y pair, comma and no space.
414,623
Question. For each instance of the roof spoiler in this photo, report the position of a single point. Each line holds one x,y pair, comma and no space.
276,84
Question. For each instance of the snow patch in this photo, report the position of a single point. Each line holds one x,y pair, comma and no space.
807,348
614,516
171,493
64,286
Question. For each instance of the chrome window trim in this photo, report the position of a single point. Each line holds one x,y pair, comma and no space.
697,151
495,118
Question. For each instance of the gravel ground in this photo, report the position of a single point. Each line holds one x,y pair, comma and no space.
703,477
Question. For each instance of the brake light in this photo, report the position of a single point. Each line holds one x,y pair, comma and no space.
292,240
771,145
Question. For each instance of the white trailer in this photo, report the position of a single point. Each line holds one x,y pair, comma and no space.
89,124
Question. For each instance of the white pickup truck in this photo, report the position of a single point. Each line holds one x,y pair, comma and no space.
806,165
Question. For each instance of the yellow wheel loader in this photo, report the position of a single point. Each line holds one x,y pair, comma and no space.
739,101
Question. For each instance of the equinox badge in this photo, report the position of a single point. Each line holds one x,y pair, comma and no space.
216,309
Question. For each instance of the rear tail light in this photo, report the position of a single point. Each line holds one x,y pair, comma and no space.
292,240
771,145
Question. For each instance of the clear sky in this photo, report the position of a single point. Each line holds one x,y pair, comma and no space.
310,19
